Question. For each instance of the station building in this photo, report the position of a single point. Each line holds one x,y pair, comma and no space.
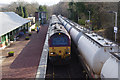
41,17
11,25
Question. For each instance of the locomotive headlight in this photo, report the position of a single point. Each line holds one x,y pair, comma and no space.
52,53
67,53
59,33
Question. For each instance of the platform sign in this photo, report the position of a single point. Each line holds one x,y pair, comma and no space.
115,29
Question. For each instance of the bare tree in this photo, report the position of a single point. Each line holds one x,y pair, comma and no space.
31,7
60,8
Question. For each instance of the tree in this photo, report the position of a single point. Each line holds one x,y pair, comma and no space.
40,8
44,8
19,11
80,7
32,8
71,10
13,7
95,15
25,12
76,9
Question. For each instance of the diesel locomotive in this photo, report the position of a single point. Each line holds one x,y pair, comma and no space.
59,42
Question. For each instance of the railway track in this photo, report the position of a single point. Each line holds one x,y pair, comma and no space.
61,72
74,70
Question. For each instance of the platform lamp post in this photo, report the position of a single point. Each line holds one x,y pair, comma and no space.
89,15
89,20
115,27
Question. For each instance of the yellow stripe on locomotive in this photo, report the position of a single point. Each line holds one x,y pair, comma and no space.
59,55
60,51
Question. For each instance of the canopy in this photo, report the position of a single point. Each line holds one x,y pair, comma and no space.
10,21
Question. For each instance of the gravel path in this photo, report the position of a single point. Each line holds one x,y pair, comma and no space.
25,64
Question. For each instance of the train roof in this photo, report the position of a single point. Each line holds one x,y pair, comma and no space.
54,20
100,40
57,28
96,38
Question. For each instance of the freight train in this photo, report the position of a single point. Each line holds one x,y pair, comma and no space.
59,42
101,57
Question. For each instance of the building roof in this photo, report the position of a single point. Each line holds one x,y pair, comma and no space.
10,21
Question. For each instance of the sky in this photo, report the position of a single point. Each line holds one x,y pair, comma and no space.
41,2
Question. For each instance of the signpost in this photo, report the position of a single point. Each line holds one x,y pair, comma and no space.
89,21
115,31
115,28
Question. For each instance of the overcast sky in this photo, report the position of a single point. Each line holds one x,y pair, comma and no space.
41,2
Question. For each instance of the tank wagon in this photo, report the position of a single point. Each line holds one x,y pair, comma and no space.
59,42
94,49
111,68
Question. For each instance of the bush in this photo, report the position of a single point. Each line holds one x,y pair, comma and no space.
27,38
32,29
81,21
11,53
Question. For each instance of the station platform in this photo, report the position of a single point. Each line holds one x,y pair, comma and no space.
26,62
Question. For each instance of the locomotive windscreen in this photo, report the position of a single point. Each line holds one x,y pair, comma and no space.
60,41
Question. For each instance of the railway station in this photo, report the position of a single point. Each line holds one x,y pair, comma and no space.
52,46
